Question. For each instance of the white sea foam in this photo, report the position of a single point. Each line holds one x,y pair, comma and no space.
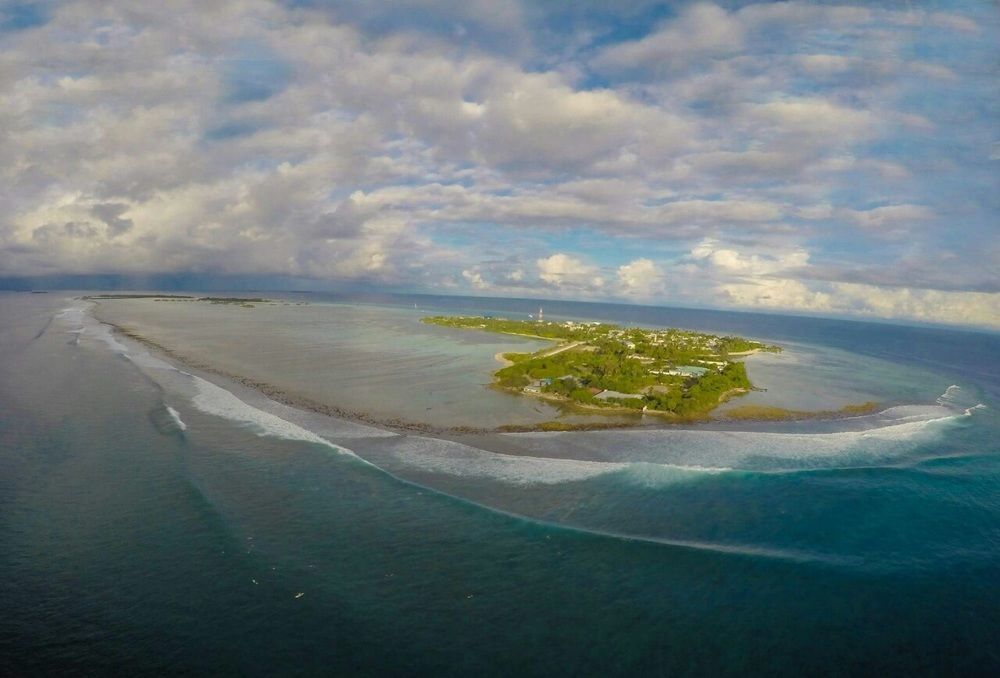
664,456
950,394
216,400
144,360
74,320
456,459
661,457
175,415
658,475
73,315
219,402
956,397
103,333
906,413
79,322
709,450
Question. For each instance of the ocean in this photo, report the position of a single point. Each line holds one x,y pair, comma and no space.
157,517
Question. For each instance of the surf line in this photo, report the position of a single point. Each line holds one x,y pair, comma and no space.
229,407
260,418
739,550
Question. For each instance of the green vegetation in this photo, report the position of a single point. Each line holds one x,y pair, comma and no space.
599,365
771,413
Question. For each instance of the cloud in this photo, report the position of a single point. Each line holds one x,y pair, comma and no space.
111,215
812,118
346,220
558,275
640,278
783,281
954,22
731,261
701,211
891,215
505,275
826,64
776,293
778,149
702,30
532,120
475,278
564,272
936,306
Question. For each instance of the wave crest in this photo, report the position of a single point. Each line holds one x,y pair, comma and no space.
217,401
175,415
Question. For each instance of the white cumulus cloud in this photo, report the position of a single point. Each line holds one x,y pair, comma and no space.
640,278
564,272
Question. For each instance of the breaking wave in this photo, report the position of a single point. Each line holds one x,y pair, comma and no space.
207,397
73,315
950,395
956,397
217,401
666,456
651,458
177,418
78,322
455,459
892,437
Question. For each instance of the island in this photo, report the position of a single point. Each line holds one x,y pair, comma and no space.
604,367
589,368
243,302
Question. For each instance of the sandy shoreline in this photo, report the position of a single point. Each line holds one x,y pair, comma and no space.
503,361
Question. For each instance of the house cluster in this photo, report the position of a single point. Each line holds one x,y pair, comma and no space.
536,385
684,340
682,371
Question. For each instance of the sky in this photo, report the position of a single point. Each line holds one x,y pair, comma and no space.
803,157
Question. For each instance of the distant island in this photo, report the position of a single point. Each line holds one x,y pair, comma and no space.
604,367
242,302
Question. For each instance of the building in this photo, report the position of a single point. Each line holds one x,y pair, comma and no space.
612,395
683,371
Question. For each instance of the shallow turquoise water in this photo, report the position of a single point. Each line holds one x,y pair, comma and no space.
137,541
359,358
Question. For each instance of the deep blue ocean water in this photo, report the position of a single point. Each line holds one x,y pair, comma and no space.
152,522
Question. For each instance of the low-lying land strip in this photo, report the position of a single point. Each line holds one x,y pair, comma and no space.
603,367
246,302
770,413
